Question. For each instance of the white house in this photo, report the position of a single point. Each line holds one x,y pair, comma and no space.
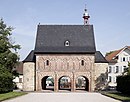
118,60
19,80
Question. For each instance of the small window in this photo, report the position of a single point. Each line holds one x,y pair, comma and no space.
117,69
110,69
67,43
47,62
114,79
109,78
20,80
82,62
124,59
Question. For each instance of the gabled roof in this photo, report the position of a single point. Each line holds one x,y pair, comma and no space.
30,57
52,38
111,57
99,58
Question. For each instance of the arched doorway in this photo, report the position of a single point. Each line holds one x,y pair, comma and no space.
47,83
64,83
82,83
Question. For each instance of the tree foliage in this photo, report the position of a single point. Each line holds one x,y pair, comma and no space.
6,83
123,84
8,57
127,70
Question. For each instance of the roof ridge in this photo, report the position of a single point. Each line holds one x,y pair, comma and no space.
63,25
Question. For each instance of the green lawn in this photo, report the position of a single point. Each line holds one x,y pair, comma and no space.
9,95
119,96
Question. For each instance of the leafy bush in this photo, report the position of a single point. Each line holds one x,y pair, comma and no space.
123,84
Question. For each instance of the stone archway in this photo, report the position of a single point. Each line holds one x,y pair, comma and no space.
82,83
64,83
47,83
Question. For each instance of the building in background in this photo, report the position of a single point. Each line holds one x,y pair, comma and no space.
19,80
118,61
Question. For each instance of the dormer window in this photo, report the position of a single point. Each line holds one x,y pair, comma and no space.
67,43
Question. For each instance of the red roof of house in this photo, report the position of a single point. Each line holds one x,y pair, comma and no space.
19,67
110,56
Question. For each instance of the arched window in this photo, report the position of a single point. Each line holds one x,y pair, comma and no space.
82,62
67,43
47,62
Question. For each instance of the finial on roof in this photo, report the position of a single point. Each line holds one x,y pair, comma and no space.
39,23
85,8
86,16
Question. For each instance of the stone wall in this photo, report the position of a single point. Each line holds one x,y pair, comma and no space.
100,75
28,76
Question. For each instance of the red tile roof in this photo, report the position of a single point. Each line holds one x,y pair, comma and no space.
19,67
110,56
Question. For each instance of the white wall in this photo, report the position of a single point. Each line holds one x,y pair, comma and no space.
19,81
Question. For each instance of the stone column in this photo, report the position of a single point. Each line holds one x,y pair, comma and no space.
56,83
73,83
38,83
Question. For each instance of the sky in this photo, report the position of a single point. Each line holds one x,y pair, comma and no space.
110,18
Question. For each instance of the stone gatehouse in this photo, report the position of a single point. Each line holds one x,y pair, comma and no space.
66,55
65,58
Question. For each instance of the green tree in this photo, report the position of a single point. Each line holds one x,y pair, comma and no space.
8,57
128,68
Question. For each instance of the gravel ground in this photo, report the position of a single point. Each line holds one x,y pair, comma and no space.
63,97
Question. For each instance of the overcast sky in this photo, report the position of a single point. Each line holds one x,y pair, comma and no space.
111,20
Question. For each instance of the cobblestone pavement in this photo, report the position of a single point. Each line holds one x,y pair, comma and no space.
63,97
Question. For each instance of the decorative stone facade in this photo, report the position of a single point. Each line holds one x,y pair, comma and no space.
64,65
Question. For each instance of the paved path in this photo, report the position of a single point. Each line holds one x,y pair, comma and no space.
62,97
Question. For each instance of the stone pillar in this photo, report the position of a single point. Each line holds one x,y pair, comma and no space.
56,83
73,83
90,83
37,82
93,78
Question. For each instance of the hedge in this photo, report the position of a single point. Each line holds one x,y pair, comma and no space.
123,84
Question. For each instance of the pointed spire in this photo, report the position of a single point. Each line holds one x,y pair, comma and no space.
86,16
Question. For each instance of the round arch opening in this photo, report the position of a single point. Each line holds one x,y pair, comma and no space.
47,83
64,83
82,83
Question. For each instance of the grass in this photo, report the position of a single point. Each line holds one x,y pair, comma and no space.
9,95
118,96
